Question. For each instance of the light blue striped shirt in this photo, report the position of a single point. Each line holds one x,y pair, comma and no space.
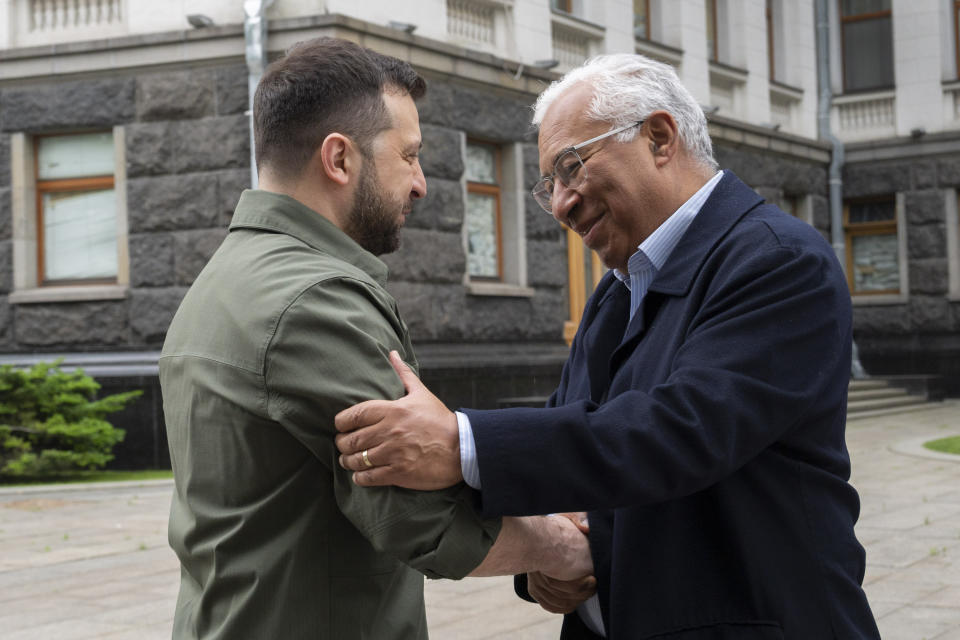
642,268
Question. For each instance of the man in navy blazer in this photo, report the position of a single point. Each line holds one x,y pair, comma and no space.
700,416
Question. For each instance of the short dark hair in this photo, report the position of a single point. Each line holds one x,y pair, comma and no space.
319,87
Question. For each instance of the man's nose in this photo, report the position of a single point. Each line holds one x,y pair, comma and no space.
419,187
562,202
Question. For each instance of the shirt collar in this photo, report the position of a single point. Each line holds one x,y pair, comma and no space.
280,213
654,251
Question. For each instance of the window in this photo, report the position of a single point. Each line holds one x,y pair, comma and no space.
866,29
873,246
641,19
953,242
483,212
712,48
69,216
76,209
562,5
771,42
956,35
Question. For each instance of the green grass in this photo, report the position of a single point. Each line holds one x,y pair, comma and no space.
91,476
945,445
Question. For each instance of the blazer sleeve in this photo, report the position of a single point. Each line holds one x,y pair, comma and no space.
329,351
767,343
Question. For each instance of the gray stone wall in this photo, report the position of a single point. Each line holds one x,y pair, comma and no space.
921,335
187,159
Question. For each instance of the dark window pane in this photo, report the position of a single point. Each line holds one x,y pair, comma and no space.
868,54
872,211
856,7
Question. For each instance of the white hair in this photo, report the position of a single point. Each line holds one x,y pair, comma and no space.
629,87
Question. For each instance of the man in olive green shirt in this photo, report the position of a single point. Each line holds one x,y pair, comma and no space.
287,325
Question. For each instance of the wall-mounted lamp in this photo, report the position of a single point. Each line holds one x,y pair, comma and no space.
406,27
709,109
199,21
918,133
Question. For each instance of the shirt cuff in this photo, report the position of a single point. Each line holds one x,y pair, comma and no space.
468,452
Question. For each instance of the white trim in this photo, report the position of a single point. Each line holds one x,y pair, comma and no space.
953,243
499,289
76,293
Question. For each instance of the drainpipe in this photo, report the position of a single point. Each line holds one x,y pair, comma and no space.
255,34
836,155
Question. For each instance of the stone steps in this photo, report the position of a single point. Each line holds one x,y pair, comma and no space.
876,396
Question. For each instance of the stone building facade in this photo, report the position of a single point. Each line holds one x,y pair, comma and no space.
173,101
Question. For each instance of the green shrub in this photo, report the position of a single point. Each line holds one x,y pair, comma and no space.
51,421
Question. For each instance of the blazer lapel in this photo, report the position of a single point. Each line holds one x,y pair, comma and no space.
603,335
731,200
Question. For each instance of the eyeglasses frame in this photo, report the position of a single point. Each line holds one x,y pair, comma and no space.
541,184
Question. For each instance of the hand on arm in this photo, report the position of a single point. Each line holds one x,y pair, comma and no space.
563,596
413,442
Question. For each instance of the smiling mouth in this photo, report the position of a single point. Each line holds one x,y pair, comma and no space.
584,229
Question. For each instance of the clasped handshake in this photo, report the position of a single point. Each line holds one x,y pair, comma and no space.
414,442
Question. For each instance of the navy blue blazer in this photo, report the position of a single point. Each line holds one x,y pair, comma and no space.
706,439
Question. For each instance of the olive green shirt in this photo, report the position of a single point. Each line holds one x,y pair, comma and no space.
287,325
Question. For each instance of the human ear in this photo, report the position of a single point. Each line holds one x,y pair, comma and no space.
335,158
661,131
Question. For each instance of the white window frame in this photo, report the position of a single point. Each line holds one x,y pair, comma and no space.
513,226
26,286
903,296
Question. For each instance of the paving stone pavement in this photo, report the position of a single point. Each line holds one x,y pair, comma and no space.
92,562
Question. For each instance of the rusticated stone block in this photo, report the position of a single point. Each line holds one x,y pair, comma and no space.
875,179
930,313
230,184
431,311
924,175
232,91
175,95
929,276
546,263
540,224
442,209
72,324
442,155
151,311
169,203
6,266
821,212
924,206
151,260
6,322
880,319
4,159
192,250
208,144
927,241
538,318
96,102
485,114
948,172
428,256
6,221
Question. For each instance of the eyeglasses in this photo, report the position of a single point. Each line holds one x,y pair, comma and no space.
569,169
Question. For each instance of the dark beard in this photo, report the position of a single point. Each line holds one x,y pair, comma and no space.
373,223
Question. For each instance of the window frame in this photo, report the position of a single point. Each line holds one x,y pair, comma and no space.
956,37
861,17
713,53
649,36
567,6
495,190
59,185
880,227
23,213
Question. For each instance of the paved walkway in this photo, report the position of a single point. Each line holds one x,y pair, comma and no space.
92,562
